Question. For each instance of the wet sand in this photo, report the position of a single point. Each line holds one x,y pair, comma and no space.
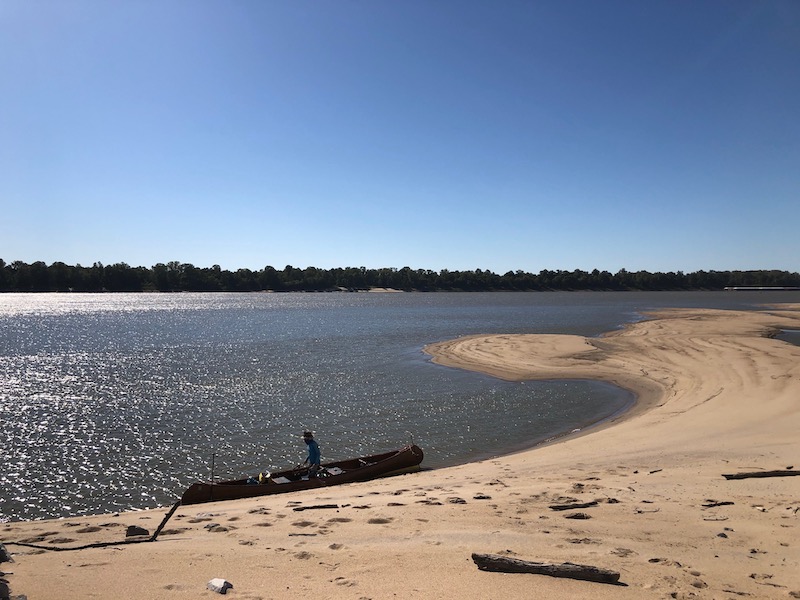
716,395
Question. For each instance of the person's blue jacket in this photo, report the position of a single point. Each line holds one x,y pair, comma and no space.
313,452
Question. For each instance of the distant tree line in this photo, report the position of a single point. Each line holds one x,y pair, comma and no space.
184,277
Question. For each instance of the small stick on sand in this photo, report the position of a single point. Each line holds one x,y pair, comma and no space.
315,507
715,503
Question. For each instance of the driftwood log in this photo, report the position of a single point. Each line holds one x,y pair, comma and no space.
781,473
573,505
504,564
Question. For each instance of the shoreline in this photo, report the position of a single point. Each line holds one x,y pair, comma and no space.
470,353
715,394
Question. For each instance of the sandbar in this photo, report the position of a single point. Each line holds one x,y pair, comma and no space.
716,394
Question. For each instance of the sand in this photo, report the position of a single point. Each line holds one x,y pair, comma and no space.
716,395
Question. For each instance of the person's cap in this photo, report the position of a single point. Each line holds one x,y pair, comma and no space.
308,434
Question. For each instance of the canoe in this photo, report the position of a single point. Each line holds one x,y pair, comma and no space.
404,460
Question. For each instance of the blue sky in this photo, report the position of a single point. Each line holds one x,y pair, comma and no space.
564,134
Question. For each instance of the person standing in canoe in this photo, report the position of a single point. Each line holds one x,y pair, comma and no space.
314,454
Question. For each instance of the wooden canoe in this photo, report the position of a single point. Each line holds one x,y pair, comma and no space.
404,460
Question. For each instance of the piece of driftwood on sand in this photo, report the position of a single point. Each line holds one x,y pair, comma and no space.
779,473
139,540
573,505
504,564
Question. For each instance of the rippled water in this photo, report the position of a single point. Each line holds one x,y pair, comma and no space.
111,402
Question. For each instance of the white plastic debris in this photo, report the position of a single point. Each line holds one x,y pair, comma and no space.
219,585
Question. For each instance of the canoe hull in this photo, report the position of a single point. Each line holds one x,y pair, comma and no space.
404,460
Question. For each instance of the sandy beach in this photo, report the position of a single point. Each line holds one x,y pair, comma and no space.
716,395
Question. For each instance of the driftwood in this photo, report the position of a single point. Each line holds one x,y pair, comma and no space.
573,505
780,473
315,507
715,503
152,538
503,564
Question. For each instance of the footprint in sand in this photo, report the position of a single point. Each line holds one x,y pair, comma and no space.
580,488
175,531
304,524
38,538
339,520
379,520
90,529
344,582
666,561
175,586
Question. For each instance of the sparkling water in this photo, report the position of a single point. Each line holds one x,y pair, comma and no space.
117,401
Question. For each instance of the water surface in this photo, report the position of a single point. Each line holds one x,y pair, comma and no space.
118,401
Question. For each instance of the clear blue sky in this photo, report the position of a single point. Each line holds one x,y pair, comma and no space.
435,134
